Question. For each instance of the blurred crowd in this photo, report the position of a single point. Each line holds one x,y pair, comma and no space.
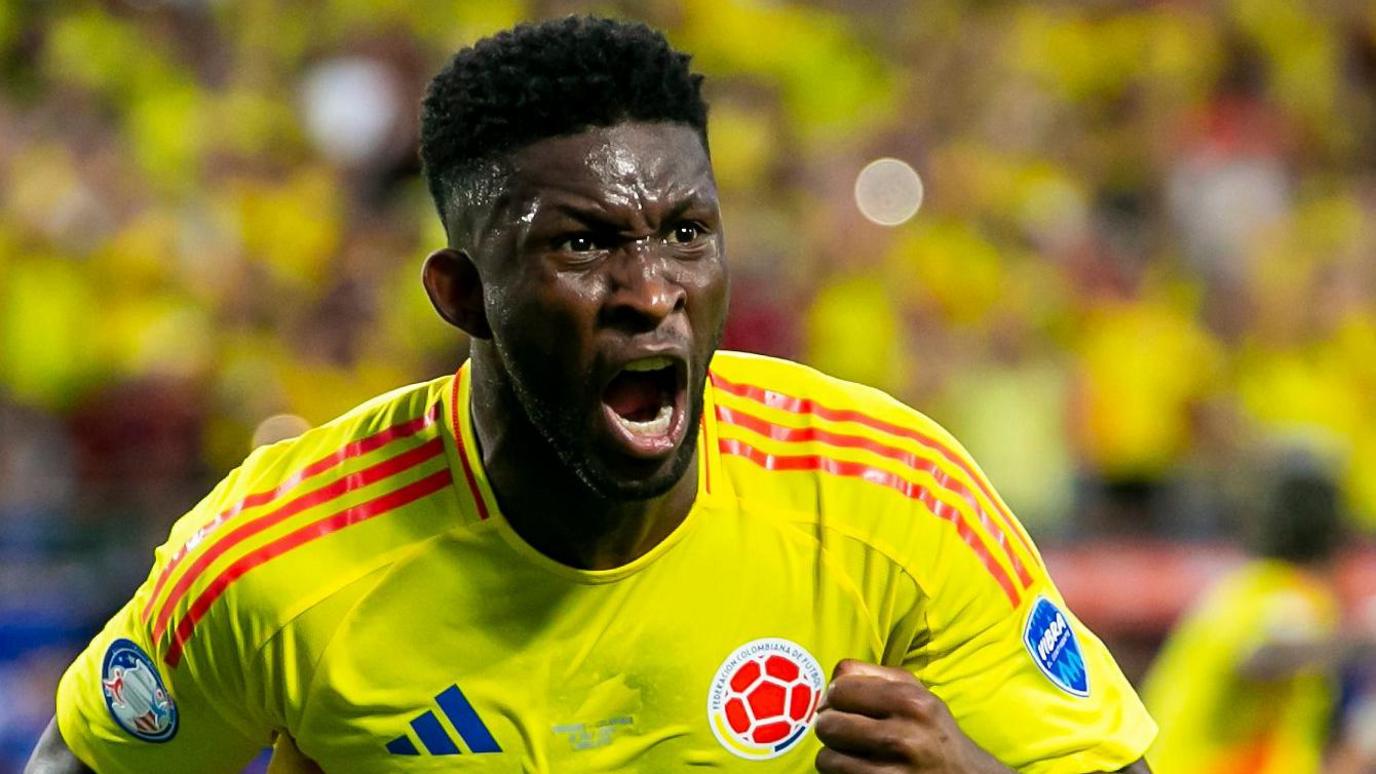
1147,251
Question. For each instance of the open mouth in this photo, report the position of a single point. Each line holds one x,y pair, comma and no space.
644,403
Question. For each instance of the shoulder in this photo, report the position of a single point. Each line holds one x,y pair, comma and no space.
788,418
857,462
302,519
1279,597
736,373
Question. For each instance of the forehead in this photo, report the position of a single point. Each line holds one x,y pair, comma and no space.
630,163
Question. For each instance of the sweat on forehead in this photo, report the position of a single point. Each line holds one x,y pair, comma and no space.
548,79
628,158
627,171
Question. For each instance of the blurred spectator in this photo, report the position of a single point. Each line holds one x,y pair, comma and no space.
1247,682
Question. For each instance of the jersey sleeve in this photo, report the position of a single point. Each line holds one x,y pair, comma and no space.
122,708
1024,678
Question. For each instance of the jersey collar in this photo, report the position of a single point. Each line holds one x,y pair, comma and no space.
480,504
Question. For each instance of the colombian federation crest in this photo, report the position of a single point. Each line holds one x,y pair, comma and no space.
1053,646
764,698
135,693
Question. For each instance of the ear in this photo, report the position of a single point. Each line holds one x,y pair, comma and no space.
452,282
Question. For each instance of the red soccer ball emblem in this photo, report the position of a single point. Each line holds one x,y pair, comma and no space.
765,698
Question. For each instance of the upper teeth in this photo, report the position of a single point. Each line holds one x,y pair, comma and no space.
649,364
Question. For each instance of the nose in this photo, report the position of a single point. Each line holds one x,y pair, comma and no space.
643,293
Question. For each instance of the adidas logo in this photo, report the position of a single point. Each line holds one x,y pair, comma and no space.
434,736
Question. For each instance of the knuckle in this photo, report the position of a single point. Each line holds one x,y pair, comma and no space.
895,743
916,706
930,702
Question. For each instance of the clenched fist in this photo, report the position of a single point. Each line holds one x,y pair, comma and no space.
881,719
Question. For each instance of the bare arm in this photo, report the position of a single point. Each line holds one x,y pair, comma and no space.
52,755
1277,660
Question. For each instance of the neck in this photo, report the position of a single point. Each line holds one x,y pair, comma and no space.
547,504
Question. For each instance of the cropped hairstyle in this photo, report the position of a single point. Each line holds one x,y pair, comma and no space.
540,80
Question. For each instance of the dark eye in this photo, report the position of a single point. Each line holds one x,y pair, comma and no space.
684,233
578,243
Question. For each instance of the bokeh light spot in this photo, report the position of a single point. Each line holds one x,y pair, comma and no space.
279,427
888,191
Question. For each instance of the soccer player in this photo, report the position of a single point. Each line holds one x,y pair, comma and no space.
601,544
1247,682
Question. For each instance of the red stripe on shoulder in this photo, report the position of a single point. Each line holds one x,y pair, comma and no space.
795,405
907,458
317,529
811,462
332,460
369,475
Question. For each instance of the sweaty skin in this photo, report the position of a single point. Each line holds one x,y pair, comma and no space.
606,246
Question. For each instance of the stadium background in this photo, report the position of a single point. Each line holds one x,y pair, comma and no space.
1146,258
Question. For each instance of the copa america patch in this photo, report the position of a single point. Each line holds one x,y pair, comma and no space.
135,694
1053,646
764,698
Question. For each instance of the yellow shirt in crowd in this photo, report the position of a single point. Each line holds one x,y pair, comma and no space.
1215,721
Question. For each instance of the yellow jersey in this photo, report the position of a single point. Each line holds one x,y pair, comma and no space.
1213,720
358,590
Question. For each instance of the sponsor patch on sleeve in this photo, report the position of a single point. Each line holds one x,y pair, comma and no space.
135,693
1051,641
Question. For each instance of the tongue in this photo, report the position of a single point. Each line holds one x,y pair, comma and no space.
635,396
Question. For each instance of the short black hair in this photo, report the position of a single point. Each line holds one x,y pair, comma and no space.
1303,517
547,79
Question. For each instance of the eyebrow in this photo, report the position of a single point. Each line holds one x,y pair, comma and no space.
598,217
588,216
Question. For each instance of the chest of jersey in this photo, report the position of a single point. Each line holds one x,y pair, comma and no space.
472,656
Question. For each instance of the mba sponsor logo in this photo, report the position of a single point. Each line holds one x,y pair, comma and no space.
764,698
135,693
1053,646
